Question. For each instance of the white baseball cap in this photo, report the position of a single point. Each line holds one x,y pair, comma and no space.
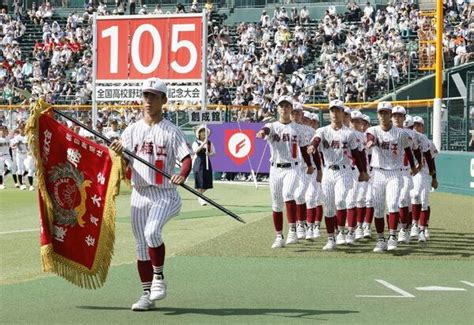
315,117
399,110
336,103
356,115
347,110
366,118
384,106
418,119
297,107
285,99
154,85
307,114
408,123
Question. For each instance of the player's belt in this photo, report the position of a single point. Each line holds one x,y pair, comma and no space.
340,167
284,165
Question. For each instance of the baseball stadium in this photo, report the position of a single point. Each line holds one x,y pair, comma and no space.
236,161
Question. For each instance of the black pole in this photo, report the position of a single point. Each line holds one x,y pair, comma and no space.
162,172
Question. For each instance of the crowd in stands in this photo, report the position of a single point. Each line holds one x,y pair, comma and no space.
350,56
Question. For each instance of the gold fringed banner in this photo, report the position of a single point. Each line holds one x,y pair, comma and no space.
78,181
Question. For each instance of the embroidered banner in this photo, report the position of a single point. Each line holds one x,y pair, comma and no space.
78,181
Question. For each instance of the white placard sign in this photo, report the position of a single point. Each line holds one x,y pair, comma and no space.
134,93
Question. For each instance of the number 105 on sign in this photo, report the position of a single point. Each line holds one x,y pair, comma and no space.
136,48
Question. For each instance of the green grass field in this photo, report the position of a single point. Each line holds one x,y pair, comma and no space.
221,271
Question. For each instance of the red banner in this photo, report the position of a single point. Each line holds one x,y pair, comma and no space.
78,180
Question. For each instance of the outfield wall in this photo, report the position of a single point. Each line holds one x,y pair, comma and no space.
455,172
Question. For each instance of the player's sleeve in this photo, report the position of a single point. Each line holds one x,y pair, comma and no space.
126,139
406,140
303,140
352,141
180,147
317,138
269,128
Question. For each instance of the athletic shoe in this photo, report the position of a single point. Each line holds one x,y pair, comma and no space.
23,187
392,243
316,232
422,236
291,238
350,238
309,233
300,231
2,187
202,201
367,232
279,242
32,188
427,233
359,233
17,185
144,303
414,231
158,288
330,245
381,245
340,238
403,236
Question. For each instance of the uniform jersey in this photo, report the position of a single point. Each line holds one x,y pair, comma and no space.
18,144
160,144
308,133
336,145
4,147
389,148
285,140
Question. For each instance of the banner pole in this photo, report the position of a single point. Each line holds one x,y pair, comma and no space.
204,76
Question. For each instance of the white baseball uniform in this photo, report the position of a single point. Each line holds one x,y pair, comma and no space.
387,165
422,180
4,154
284,141
155,200
337,176
407,179
20,151
304,178
354,191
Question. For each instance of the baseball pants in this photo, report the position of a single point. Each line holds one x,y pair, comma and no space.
421,189
283,184
336,185
352,193
30,166
151,209
407,180
386,186
303,183
313,196
20,163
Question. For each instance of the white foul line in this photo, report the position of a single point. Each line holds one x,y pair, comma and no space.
403,293
468,283
438,288
18,231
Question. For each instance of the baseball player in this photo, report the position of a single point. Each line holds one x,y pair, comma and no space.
421,182
398,119
20,152
356,196
285,138
302,118
314,197
155,199
336,141
388,143
368,215
4,155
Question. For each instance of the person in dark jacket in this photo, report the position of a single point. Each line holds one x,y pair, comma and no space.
202,167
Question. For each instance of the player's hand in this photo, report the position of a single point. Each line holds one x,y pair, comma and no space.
311,149
319,176
177,179
363,177
116,146
261,134
414,171
310,170
434,183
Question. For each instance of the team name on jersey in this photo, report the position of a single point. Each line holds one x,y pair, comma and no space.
335,144
148,148
285,137
386,145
